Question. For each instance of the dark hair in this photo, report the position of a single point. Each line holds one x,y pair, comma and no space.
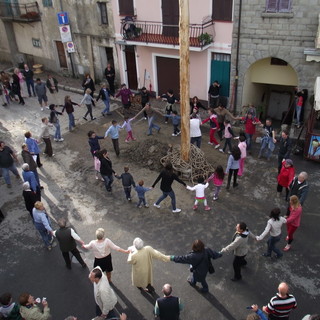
169,167
90,133
200,179
170,91
269,119
126,118
23,299
226,121
5,298
314,317
236,153
114,121
195,97
38,79
143,88
275,213
220,172
27,134
285,132
51,106
97,273
175,112
242,138
197,246
103,151
242,226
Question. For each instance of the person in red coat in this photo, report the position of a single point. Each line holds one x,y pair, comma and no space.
285,176
293,221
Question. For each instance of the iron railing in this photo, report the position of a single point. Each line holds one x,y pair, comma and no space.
157,32
20,12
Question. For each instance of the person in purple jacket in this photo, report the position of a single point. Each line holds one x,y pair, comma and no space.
125,94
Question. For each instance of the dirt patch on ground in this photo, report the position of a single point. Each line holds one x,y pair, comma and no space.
147,153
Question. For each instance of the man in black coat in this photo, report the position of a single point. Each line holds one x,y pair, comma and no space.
66,237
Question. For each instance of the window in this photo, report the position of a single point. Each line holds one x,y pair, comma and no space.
222,10
47,3
103,12
278,6
126,8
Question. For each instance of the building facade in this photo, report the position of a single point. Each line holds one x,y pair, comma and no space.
147,37
273,52
29,32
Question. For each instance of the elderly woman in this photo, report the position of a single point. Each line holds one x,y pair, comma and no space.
102,253
30,197
141,259
42,224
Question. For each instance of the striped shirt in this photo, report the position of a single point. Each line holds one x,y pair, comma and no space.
280,307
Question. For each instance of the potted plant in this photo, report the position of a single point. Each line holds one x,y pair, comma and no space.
205,39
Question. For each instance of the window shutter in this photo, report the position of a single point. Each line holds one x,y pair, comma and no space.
47,3
271,5
222,10
284,5
126,8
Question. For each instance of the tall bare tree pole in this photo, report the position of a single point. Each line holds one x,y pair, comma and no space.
184,79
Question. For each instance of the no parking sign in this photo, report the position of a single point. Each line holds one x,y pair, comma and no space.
65,33
70,47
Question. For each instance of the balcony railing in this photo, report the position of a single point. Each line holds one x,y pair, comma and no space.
156,32
20,12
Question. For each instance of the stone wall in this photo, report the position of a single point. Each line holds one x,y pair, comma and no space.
279,35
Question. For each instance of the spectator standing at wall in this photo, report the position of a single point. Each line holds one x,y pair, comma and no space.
110,75
214,94
28,76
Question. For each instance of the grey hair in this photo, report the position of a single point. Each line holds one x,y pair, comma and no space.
100,233
26,185
138,243
304,175
25,167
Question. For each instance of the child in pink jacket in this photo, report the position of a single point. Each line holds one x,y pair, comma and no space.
217,178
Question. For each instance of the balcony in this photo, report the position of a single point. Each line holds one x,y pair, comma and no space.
201,35
19,12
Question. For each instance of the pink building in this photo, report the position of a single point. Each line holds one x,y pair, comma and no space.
148,46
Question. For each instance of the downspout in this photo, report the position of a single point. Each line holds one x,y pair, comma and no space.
236,80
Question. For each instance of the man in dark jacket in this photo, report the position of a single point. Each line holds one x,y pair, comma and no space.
28,76
66,237
285,148
199,258
168,307
7,158
299,187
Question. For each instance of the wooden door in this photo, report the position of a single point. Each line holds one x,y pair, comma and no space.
170,17
61,55
168,75
126,8
131,67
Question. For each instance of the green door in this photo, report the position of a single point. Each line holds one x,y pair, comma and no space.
220,71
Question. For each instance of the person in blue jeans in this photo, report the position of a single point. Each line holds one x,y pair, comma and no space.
106,170
7,158
42,223
68,106
141,190
273,227
167,176
55,121
105,94
199,259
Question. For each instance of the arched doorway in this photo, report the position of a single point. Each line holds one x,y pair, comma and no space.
269,84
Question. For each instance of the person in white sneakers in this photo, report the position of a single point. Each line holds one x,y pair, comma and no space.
200,196
167,177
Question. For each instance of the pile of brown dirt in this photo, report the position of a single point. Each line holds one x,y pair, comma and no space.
147,153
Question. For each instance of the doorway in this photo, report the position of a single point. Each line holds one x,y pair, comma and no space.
170,18
131,67
61,55
109,53
168,75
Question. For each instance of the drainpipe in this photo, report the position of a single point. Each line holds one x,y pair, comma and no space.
237,59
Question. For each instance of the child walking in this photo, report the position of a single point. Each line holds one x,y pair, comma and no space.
127,182
217,178
175,121
113,131
228,135
127,124
214,126
141,190
200,196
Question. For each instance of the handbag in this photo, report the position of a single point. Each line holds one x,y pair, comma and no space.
210,266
